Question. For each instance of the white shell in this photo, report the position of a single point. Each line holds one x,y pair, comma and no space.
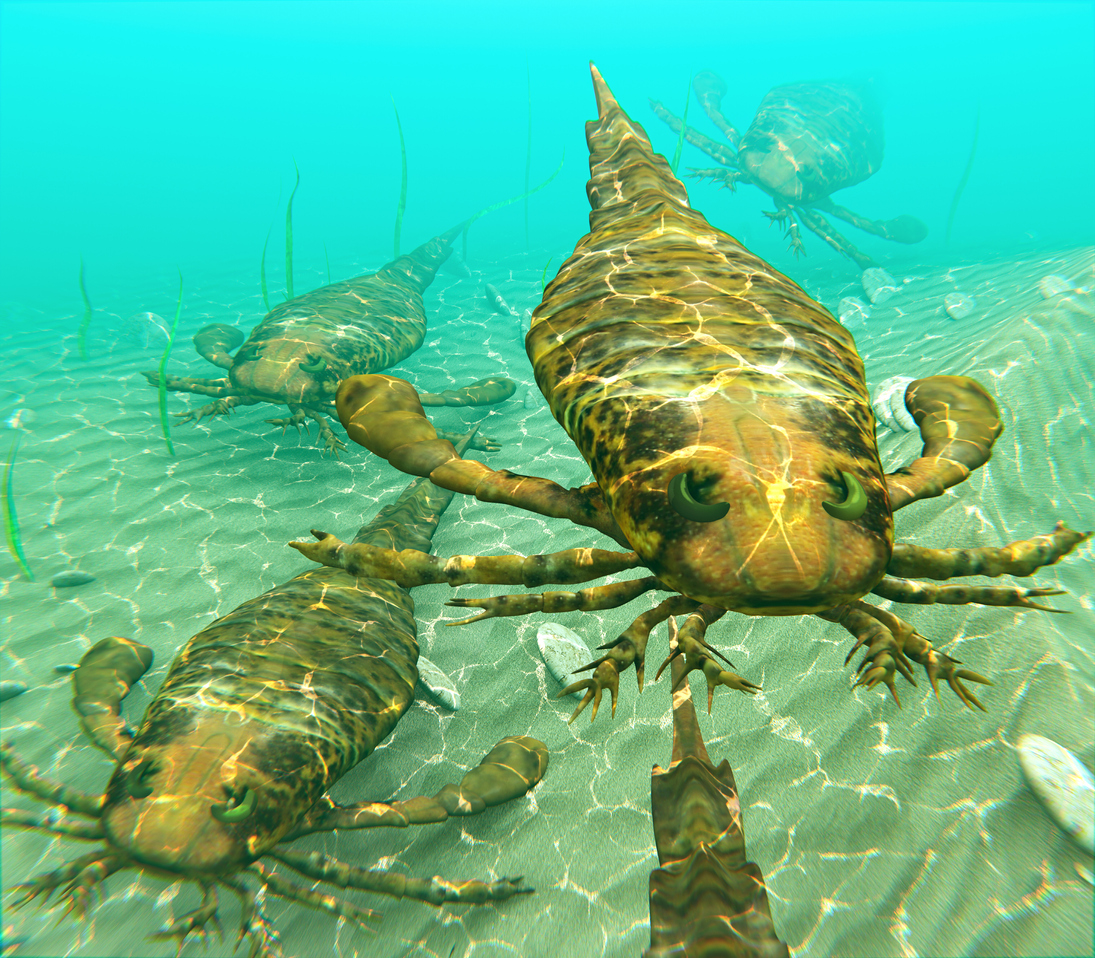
878,285
1053,285
959,305
563,651
1063,785
437,684
852,310
146,330
889,404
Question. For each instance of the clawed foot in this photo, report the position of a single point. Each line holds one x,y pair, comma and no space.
728,179
298,419
216,408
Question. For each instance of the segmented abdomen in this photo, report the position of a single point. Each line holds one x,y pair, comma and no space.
656,307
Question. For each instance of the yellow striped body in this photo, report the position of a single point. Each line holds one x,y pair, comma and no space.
664,346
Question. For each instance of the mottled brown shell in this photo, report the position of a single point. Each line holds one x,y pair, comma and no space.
810,139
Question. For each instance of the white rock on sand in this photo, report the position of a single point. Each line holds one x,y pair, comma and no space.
563,651
1063,785
888,403
437,684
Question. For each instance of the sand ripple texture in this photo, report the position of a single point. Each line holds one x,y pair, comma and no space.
881,831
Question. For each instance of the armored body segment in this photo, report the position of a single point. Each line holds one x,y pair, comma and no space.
811,139
663,346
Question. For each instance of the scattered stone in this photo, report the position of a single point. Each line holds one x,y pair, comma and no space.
65,669
1063,785
70,578
1054,285
959,305
146,330
19,418
888,403
438,685
8,690
563,652
852,310
878,285
496,300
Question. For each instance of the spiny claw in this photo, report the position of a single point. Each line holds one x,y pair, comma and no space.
878,674
716,677
605,677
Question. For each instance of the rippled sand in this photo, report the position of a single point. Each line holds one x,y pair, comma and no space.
881,831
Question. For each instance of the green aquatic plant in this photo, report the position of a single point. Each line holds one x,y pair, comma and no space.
403,183
11,520
513,199
684,126
289,237
965,177
262,273
528,148
163,372
543,275
81,337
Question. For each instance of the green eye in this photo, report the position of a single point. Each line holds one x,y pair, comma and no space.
684,502
854,504
316,366
136,782
231,814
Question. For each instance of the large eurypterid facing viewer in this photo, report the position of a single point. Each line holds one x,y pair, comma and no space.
726,420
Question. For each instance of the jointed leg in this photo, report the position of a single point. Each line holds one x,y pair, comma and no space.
410,568
718,151
785,216
925,593
44,822
383,414
959,423
507,771
596,598
818,224
434,890
1020,558
194,921
26,778
890,642
694,647
221,407
364,917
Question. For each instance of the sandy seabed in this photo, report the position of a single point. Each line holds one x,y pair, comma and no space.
881,831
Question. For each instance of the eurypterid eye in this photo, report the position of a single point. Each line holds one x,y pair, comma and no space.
233,812
855,500
683,498
136,782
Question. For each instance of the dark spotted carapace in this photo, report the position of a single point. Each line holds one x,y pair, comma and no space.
260,714
664,346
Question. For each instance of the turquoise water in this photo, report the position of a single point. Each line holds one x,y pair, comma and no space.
148,137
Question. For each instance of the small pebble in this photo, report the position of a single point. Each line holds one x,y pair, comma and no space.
959,305
1053,285
70,578
878,285
852,310
65,669
8,690
1065,788
438,685
563,651
496,300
